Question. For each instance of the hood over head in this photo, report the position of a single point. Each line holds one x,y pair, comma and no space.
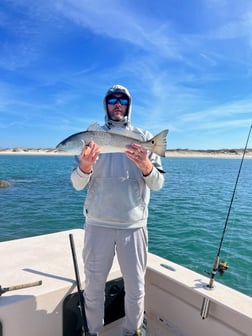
125,121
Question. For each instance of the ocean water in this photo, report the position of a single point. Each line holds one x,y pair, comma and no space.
186,218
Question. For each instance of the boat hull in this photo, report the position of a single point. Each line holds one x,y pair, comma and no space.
173,303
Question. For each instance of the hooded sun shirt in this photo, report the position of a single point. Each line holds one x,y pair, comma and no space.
117,192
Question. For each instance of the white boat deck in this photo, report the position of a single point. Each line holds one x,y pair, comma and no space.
174,300
174,294
47,258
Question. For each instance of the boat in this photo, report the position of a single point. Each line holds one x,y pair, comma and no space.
38,294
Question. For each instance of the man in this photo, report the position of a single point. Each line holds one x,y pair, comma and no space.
116,211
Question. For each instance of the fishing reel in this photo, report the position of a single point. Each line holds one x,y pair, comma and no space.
219,267
222,267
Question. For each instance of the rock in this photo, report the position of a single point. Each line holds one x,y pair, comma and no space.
4,184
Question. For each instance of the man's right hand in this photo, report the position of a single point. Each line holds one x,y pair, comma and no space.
88,157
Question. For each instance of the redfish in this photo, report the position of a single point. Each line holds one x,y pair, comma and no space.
112,142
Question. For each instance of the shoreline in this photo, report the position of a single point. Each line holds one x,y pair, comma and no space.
33,151
210,153
170,153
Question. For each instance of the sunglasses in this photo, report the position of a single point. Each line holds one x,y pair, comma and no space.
113,101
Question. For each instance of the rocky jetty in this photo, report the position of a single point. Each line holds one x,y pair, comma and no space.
4,184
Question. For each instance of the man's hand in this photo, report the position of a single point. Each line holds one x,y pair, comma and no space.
139,156
88,157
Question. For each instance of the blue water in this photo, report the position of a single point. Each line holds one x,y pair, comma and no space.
186,219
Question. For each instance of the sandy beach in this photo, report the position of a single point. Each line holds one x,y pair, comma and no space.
32,151
186,153
210,153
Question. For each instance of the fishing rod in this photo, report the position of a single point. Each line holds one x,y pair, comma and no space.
85,330
16,287
222,266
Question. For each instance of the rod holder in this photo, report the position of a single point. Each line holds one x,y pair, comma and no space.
205,308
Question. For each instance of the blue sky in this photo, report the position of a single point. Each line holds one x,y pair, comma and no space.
187,64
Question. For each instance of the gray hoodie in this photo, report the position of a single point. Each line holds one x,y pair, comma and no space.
117,192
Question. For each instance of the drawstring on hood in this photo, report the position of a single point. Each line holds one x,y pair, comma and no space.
125,121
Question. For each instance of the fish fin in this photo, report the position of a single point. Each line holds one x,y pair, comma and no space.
95,127
159,143
126,133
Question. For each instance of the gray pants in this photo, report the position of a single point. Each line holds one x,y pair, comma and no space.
100,245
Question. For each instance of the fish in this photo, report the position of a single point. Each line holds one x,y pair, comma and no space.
111,142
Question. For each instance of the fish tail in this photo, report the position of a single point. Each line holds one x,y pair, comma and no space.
158,143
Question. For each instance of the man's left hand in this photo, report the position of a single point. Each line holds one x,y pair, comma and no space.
139,156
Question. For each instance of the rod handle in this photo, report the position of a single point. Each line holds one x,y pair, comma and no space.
27,285
215,268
